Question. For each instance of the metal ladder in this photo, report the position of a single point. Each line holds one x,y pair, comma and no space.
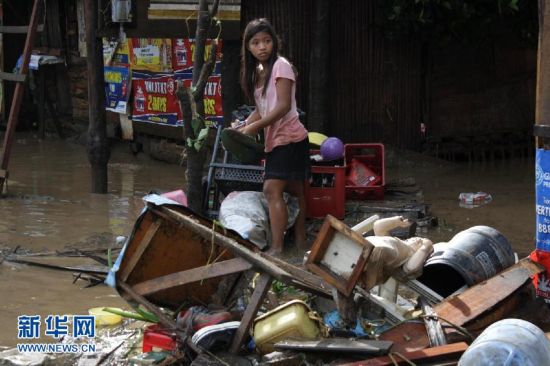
20,78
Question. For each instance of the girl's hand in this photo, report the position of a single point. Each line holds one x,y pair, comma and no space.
237,125
251,129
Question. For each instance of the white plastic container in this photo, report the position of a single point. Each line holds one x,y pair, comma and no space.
509,342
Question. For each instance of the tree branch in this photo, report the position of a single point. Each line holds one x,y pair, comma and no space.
203,25
186,105
206,71
214,9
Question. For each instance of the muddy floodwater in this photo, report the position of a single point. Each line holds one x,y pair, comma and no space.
49,207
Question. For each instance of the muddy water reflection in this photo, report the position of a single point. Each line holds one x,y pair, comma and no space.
49,207
510,183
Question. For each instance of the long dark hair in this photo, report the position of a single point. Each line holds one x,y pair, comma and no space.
249,62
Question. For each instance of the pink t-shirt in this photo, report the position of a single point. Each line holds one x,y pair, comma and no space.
289,128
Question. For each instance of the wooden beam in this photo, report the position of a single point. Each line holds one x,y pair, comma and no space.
222,240
303,279
262,286
10,76
163,319
22,29
145,241
218,269
482,297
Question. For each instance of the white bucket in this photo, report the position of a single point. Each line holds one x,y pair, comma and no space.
509,342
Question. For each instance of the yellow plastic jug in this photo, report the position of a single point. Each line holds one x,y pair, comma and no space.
291,320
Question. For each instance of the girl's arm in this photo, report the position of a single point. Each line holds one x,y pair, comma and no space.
283,87
253,117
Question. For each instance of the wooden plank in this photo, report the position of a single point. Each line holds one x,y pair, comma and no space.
163,319
10,76
262,286
482,297
145,241
19,29
192,275
222,240
448,352
340,345
303,279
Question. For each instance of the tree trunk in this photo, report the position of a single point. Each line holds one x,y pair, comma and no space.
318,112
201,72
98,149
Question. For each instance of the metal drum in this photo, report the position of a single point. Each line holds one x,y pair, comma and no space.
471,256
510,342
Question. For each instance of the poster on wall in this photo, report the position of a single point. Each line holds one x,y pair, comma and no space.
151,54
117,88
542,185
154,99
183,53
541,255
116,52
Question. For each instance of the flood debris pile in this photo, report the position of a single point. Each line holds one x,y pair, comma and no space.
362,296
374,299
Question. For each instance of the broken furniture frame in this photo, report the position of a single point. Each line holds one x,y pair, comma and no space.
238,258
339,255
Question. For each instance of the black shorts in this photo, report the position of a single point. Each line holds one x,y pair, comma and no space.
288,162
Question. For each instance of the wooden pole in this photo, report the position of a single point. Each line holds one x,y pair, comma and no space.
542,109
98,149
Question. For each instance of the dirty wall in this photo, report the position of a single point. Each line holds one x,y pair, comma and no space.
381,90
482,89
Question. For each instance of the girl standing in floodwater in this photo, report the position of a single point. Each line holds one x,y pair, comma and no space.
270,81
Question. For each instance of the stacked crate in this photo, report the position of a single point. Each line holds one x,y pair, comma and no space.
327,190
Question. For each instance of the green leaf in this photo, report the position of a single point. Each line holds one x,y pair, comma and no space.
513,5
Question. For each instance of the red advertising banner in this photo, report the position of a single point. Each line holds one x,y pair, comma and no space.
183,53
155,99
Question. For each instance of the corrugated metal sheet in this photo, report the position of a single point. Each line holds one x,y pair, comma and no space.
375,83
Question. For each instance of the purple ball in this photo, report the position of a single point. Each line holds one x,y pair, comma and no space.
332,148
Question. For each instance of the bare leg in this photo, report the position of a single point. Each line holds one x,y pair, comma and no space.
278,217
296,188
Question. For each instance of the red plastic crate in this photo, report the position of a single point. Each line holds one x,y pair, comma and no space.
156,337
321,201
371,155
